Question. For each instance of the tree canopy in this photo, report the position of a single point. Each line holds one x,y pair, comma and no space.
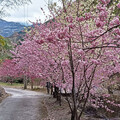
7,4
76,52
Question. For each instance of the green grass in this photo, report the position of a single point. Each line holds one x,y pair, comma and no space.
20,86
16,85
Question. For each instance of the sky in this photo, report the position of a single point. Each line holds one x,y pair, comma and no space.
26,13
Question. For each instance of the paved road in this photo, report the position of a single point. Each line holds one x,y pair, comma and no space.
22,105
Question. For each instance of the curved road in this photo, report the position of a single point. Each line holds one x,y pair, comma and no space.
22,105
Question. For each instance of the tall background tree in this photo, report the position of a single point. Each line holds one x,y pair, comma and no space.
8,4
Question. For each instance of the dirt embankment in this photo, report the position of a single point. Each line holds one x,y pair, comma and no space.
3,94
55,111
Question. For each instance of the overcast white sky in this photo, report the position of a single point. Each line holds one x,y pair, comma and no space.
30,12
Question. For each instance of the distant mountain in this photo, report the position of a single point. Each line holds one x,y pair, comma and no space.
9,28
19,36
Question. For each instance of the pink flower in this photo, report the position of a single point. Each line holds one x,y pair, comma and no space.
61,34
105,1
115,21
69,19
99,23
39,41
94,61
13,53
65,62
80,19
118,105
117,31
82,62
80,51
71,26
118,5
87,16
103,15
50,38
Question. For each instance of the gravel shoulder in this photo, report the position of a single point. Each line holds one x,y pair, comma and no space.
55,111
3,94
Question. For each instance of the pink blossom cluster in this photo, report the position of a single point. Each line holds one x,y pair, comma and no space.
70,52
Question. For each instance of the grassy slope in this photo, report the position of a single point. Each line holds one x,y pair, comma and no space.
15,85
18,85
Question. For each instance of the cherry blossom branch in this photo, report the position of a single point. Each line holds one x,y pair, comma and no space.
102,33
101,47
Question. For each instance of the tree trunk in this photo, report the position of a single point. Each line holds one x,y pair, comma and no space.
11,82
31,83
25,82
73,115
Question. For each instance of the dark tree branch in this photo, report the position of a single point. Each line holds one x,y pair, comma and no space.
101,47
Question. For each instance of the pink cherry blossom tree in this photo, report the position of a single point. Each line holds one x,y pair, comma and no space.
77,52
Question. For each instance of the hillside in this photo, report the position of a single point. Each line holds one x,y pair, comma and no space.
9,28
16,36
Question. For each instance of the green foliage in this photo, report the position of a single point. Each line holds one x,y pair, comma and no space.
116,11
18,80
6,45
2,42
